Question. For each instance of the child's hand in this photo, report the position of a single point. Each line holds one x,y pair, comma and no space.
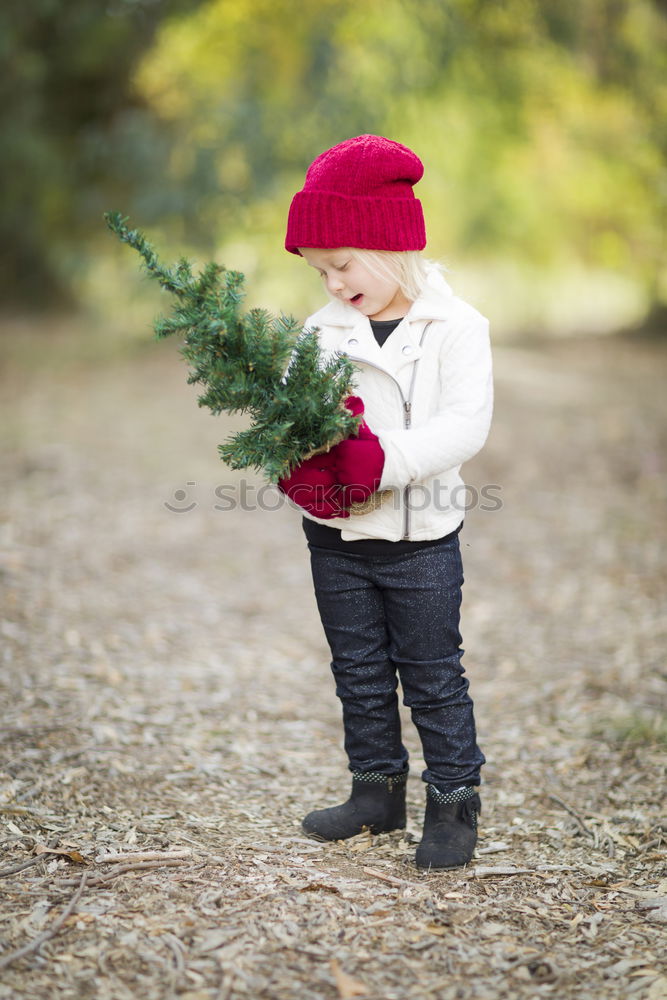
358,465
314,487
358,461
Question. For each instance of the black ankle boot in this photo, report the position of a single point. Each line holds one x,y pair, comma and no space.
450,828
377,802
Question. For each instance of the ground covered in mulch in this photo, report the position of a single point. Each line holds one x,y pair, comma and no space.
168,715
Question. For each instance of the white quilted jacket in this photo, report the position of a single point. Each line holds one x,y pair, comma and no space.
428,395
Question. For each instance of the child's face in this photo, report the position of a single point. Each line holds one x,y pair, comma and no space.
350,281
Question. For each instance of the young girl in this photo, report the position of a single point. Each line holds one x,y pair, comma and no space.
388,582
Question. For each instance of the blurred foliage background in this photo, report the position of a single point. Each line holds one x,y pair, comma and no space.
542,125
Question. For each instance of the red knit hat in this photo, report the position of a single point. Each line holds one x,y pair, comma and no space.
359,194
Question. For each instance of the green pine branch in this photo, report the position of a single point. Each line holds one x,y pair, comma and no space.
250,363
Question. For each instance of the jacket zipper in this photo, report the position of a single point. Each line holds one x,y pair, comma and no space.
407,423
407,419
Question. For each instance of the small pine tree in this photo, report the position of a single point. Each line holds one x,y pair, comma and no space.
250,363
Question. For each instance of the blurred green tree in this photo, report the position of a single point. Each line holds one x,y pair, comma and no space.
72,129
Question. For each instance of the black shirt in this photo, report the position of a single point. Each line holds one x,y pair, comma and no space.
382,328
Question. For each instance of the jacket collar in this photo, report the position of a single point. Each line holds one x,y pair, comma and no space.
353,335
436,300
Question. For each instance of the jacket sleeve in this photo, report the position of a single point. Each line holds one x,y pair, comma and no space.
460,427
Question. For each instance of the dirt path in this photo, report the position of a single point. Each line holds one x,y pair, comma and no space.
165,688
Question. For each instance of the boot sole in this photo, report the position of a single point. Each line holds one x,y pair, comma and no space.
364,829
441,868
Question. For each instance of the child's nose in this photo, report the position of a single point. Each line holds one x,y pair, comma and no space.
335,283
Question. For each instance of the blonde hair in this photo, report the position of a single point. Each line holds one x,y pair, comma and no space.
407,267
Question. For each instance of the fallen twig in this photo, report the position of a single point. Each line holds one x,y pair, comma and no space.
503,871
494,848
19,867
28,862
37,942
649,847
575,815
386,878
122,869
142,856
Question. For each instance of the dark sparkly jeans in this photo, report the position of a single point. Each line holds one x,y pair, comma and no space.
385,616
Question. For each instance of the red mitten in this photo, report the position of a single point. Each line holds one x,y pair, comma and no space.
355,405
358,461
314,487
